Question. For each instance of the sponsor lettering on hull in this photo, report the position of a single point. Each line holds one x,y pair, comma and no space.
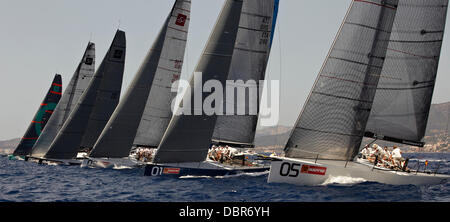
315,170
171,171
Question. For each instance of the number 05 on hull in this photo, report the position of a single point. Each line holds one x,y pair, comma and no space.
309,173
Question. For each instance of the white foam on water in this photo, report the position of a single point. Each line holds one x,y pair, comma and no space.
257,174
227,176
122,167
243,174
343,180
52,164
194,177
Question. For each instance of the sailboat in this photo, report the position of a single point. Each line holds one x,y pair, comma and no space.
145,111
40,119
240,43
377,82
78,84
94,107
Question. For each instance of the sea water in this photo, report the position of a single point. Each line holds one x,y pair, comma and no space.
29,182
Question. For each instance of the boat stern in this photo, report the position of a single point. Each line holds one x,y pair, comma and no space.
297,172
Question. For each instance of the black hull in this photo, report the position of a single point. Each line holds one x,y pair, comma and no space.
170,171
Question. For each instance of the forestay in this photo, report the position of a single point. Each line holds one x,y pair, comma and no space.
188,137
77,85
248,67
403,99
161,67
103,86
41,118
333,120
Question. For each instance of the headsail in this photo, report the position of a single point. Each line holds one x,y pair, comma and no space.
188,137
403,99
103,88
78,84
248,68
333,120
144,111
44,113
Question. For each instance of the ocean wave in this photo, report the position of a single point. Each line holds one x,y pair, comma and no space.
25,181
258,174
122,167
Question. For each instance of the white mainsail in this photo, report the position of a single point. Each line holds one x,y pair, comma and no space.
157,113
78,84
143,113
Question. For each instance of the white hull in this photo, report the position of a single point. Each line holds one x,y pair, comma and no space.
111,163
307,172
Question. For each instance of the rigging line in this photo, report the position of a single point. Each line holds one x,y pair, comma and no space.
448,122
281,78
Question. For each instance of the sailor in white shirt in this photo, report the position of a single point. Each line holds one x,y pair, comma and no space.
397,156
366,152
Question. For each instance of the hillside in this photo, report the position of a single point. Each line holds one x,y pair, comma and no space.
7,147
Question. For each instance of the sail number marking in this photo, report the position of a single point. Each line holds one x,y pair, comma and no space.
294,169
264,40
290,170
158,171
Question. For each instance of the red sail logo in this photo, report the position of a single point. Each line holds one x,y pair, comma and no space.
181,20
314,170
175,77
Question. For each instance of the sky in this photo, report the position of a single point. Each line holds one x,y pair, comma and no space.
41,38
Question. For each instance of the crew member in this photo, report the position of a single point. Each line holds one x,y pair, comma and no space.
397,157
